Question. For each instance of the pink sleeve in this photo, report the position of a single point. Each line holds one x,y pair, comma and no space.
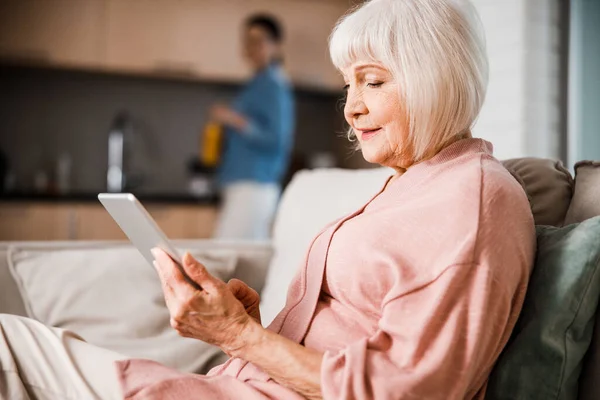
436,341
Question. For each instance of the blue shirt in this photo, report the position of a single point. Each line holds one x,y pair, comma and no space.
260,153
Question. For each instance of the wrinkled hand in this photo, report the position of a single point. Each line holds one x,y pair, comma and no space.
247,296
212,314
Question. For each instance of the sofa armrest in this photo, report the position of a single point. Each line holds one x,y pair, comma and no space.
10,297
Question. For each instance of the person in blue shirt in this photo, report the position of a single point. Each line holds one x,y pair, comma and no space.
259,129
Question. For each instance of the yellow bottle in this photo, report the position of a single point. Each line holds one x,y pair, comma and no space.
210,145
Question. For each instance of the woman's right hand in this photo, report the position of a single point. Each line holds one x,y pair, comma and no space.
247,296
227,116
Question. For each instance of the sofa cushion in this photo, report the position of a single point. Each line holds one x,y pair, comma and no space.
549,187
112,298
544,357
10,298
586,199
589,385
313,199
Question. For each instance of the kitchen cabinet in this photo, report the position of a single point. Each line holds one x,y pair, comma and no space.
202,38
92,222
32,221
177,221
184,221
58,32
83,221
307,25
191,39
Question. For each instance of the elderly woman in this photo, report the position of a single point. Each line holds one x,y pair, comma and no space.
412,296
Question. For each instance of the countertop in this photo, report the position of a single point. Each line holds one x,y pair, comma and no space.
172,198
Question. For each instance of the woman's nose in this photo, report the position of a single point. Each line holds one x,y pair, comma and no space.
355,106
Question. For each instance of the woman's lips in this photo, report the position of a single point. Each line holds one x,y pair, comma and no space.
367,134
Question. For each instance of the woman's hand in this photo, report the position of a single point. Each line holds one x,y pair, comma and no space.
226,116
247,296
226,315
212,314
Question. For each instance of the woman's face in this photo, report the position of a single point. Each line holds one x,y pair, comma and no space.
259,48
374,111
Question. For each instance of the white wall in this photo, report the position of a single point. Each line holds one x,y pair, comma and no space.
584,81
521,115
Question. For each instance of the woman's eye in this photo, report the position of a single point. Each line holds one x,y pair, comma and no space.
374,84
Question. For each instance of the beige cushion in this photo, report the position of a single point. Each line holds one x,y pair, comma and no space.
10,298
586,199
548,185
112,298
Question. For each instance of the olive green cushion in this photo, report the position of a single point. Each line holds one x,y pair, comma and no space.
544,356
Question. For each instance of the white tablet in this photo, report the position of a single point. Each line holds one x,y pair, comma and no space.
139,226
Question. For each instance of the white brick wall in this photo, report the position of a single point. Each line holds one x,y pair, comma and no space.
521,114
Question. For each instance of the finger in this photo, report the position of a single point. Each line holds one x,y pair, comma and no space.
167,290
198,273
243,292
238,288
161,257
163,279
170,274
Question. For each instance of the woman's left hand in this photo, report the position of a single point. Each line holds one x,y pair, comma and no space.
215,315
212,314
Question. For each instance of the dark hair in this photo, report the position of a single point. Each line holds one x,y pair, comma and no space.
269,23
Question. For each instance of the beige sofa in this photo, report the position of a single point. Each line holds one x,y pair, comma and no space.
106,293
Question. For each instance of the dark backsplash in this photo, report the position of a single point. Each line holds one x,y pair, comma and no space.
45,113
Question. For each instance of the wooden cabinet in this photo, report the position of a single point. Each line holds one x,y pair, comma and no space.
92,222
184,222
81,221
62,32
197,39
189,37
202,38
308,25
31,221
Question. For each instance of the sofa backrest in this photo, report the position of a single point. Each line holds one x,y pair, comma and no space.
586,198
549,187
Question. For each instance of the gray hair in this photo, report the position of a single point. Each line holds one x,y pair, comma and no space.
435,49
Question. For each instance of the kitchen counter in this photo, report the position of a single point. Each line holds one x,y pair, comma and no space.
182,198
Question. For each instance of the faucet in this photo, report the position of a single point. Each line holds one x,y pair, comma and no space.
118,136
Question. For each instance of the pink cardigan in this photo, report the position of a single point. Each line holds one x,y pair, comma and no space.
413,296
